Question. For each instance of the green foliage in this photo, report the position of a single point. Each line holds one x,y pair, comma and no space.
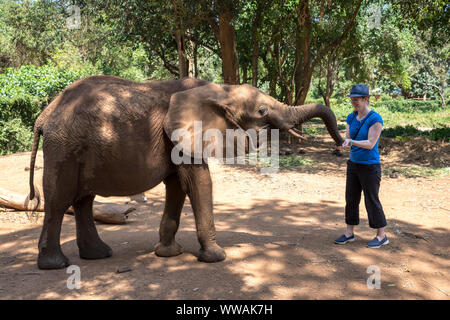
294,161
21,106
404,132
32,29
312,130
14,137
42,83
26,90
415,171
23,93
409,105
283,162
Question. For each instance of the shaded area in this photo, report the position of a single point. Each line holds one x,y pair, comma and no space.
275,249
277,231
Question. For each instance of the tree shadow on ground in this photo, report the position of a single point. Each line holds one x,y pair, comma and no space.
276,249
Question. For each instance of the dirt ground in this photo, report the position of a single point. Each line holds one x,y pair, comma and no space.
277,231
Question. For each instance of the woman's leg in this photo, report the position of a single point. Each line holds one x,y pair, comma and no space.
370,181
353,190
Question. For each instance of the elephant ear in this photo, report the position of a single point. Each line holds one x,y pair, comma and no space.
197,120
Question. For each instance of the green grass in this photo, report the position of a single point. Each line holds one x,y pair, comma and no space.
283,162
416,171
404,133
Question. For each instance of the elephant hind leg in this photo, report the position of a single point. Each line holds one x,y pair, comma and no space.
89,243
175,196
59,192
50,253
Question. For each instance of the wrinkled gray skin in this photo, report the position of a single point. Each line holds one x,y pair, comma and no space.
107,136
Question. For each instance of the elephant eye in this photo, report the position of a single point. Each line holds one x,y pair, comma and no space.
262,111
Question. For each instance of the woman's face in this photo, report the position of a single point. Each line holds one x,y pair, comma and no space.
359,103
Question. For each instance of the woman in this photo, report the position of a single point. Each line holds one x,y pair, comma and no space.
363,169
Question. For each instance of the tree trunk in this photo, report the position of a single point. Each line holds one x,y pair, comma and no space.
183,64
227,39
272,74
255,63
244,73
303,71
255,39
191,59
304,64
195,53
330,76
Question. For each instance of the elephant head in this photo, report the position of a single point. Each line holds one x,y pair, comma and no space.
245,107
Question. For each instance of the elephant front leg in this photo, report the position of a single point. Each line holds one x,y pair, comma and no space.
196,181
175,196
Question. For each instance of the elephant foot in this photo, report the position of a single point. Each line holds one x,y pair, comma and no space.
99,251
56,260
212,254
171,250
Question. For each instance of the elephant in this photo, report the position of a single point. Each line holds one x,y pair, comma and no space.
104,135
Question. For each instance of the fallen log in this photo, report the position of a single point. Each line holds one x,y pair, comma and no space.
104,212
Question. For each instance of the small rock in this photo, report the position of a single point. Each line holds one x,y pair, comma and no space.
393,175
397,232
195,289
124,243
123,269
301,151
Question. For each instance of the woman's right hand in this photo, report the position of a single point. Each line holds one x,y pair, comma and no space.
346,143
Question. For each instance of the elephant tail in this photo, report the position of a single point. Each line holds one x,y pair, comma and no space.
34,192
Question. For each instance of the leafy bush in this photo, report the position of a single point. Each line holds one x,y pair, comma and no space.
42,82
24,107
408,105
23,94
410,131
26,90
14,137
439,134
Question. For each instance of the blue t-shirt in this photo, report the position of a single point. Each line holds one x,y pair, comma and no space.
361,155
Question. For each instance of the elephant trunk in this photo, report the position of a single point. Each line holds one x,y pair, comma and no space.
303,113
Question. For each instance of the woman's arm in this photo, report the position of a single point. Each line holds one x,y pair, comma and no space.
374,134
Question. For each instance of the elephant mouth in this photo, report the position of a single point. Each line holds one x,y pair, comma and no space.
296,133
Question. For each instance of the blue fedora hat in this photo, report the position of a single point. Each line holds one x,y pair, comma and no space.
359,90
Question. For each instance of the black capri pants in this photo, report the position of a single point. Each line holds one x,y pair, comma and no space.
363,177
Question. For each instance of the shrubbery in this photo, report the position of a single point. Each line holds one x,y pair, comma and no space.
409,105
14,137
410,131
24,92
22,106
